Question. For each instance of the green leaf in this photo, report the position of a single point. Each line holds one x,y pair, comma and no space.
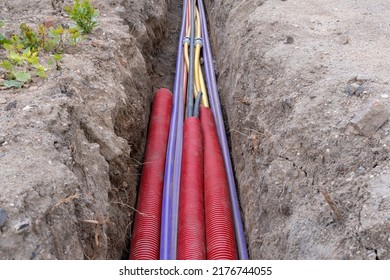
68,9
4,40
15,58
12,83
41,73
22,76
19,47
27,51
33,59
7,65
57,57
53,33
1,24
39,67
8,47
59,30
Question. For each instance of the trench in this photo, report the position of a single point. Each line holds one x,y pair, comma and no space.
160,57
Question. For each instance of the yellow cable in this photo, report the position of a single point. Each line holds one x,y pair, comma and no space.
187,60
199,84
198,34
186,45
199,80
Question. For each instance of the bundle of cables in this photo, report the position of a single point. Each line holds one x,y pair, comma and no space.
187,203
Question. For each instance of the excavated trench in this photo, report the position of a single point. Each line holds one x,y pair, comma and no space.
161,66
308,187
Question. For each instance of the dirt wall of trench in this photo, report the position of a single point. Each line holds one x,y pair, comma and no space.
297,80
71,145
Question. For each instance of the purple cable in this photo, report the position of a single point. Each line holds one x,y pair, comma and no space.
217,112
176,180
174,141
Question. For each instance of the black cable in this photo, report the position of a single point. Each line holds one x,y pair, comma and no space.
197,104
190,87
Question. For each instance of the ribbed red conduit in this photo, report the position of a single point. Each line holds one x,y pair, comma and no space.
220,237
145,242
191,226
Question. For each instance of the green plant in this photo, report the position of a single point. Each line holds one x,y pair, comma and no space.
28,37
3,40
20,66
23,51
50,40
84,15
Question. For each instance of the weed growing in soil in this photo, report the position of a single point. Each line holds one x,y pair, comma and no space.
84,15
23,51
19,65
2,37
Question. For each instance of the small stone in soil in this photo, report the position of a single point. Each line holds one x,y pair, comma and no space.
359,91
354,88
363,78
289,40
2,139
344,39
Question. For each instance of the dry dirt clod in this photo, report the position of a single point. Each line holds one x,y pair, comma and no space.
370,118
343,39
11,105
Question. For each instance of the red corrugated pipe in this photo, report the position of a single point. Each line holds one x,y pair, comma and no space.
145,242
191,227
220,236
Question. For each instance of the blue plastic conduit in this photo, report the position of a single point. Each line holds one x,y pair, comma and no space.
173,159
217,112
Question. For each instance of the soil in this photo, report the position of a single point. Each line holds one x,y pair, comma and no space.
305,94
311,187
71,145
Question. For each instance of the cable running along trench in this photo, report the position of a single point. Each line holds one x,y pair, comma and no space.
199,215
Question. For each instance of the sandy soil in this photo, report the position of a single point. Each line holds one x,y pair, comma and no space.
298,79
